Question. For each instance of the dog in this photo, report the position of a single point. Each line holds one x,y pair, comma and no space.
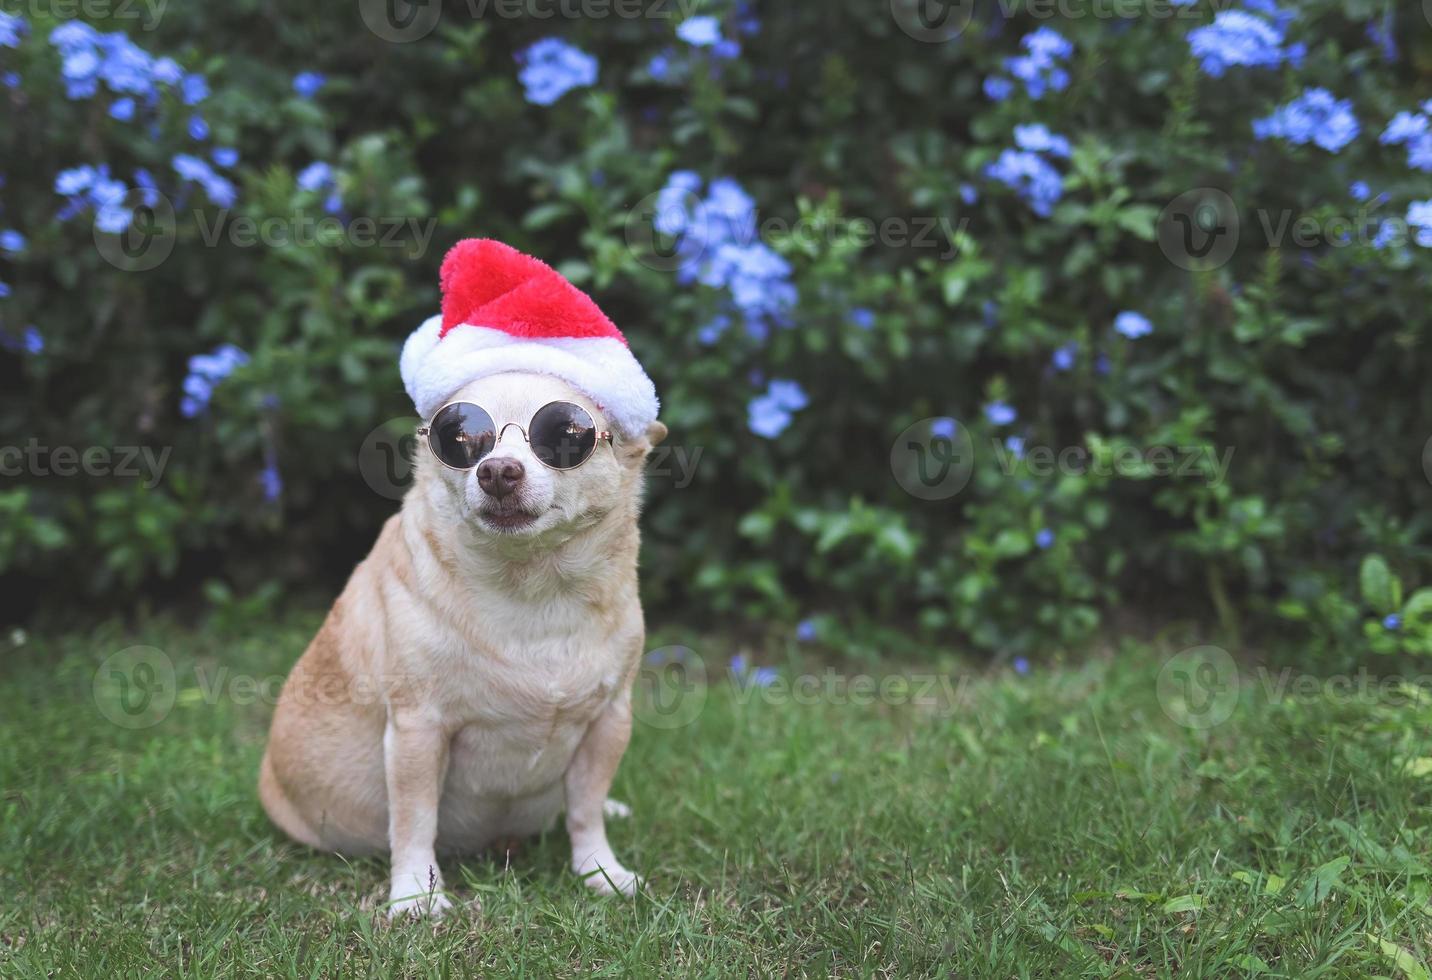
475,675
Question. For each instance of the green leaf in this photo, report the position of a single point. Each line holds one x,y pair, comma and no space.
1380,588
1323,881
1184,903
1398,957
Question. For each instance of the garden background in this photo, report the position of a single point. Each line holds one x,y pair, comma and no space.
1034,340
818,225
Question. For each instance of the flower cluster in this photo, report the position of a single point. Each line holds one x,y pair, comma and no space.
1315,117
1412,129
551,68
194,170
90,58
1030,174
1038,68
205,373
1237,38
768,415
718,246
12,27
86,188
702,32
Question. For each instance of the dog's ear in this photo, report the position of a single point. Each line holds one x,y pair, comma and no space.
633,452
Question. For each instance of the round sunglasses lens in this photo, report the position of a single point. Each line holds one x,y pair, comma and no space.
563,435
461,435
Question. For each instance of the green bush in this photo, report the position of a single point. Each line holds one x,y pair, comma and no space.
919,263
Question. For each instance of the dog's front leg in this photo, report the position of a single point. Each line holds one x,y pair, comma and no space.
589,777
415,758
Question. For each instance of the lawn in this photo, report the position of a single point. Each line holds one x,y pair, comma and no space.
1058,823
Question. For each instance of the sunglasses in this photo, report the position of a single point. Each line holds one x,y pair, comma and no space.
562,435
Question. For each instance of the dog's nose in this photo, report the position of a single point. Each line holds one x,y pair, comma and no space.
499,477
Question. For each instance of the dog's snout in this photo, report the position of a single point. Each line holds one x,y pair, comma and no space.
499,477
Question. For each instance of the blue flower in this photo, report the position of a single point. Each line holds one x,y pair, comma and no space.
12,28
1133,325
1015,445
317,176
944,428
745,675
11,79
768,415
1037,138
969,193
272,481
805,630
123,109
1000,413
714,329
1419,216
205,373
700,32
198,128
727,49
12,241
1063,358
1032,176
1392,623
660,66
198,171
1021,665
1237,38
998,88
1359,190
193,89
863,317
1404,127
308,83
4,290
225,156
1044,539
1313,117
551,68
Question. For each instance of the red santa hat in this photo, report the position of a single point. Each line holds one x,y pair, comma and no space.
506,311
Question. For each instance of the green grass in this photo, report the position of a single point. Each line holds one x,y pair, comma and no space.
1057,824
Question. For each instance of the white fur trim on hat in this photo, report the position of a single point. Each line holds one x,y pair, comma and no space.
602,368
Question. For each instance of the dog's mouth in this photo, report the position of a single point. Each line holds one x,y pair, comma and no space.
507,519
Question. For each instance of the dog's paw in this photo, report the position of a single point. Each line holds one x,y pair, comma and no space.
414,895
608,878
616,810
423,906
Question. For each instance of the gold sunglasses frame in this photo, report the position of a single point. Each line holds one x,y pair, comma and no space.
425,430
